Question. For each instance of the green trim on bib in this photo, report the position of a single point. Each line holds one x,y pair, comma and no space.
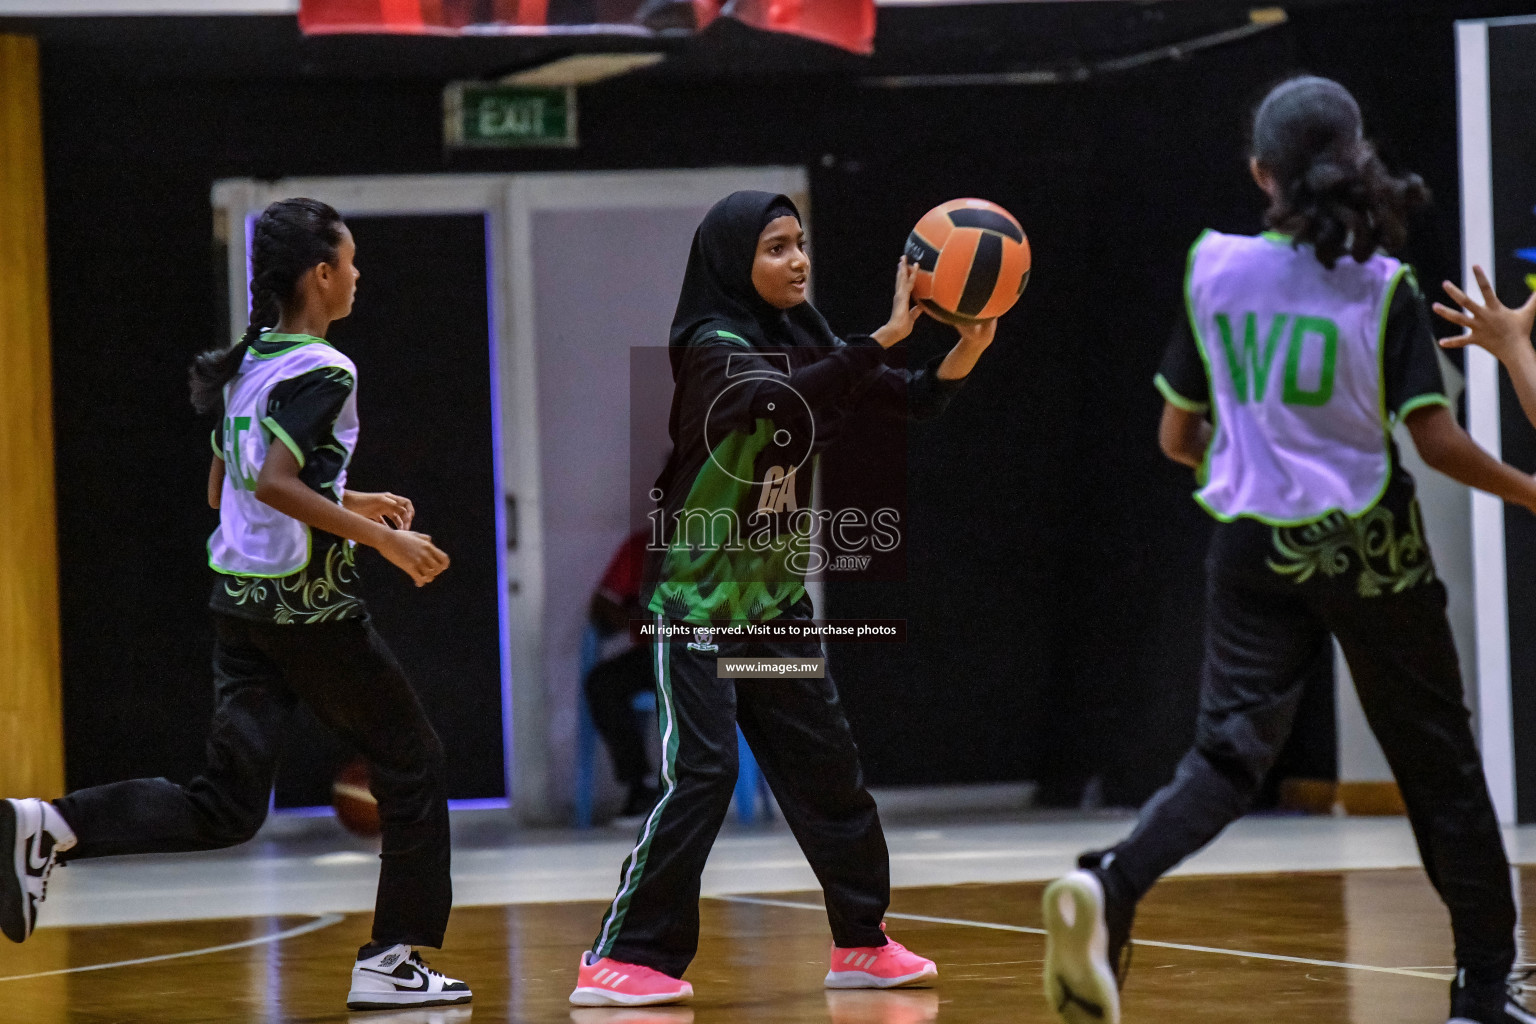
309,554
1381,388
314,594
1421,402
282,435
298,340
1203,472
1177,400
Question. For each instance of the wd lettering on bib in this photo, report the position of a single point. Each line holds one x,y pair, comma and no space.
1251,365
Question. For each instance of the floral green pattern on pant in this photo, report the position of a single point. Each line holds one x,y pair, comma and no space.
303,598
1390,560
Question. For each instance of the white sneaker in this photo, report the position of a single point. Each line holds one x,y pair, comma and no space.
1081,984
398,978
34,833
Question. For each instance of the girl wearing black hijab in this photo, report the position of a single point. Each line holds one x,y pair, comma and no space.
761,385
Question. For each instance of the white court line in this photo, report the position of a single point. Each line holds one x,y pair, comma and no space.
323,921
1406,971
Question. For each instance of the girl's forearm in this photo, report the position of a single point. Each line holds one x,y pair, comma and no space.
292,497
960,361
1446,447
1470,465
1522,373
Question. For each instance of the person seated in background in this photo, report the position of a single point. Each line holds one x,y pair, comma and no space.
613,684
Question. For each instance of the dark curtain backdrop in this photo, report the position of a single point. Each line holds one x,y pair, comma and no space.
1054,585
1512,88
420,336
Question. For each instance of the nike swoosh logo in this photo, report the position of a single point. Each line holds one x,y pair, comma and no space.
36,862
1068,998
419,986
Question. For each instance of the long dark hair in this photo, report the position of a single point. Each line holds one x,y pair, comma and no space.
290,237
1335,193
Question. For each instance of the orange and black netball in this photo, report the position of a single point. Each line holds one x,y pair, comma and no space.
973,260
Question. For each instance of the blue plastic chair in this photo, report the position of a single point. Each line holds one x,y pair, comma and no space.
752,802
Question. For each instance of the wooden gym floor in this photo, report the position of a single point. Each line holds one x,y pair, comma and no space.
1362,947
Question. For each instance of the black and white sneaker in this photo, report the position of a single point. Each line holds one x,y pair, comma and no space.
397,978
1087,951
1495,1003
34,833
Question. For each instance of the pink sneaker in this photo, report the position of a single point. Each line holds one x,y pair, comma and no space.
889,966
606,982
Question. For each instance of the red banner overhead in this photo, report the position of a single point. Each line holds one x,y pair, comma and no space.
849,24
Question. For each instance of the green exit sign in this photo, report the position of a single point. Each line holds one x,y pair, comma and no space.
498,116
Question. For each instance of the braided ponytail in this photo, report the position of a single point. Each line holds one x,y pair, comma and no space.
290,237
1334,193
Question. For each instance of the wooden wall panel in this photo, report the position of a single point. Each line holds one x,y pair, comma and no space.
31,729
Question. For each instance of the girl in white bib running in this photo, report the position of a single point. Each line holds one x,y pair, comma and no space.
289,626
1304,346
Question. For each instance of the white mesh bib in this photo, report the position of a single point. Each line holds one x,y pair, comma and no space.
254,539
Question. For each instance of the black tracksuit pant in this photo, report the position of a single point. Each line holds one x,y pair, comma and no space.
348,677
1267,617
800,737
